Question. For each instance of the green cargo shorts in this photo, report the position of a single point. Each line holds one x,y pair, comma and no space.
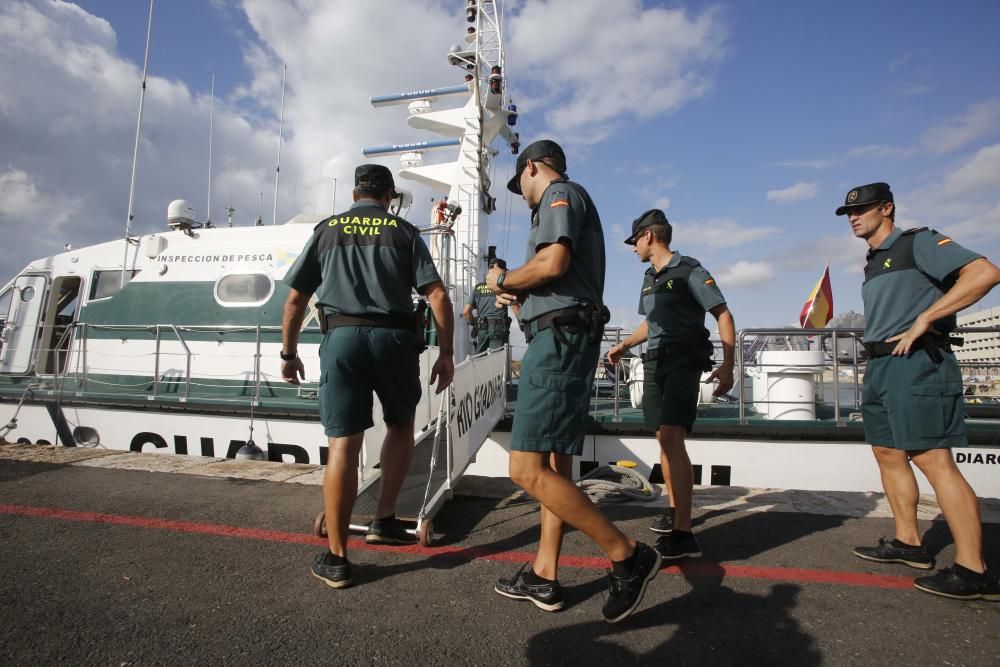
670,390
912,403
553,394
358,360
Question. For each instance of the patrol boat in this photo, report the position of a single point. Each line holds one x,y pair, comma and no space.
170,342
180,354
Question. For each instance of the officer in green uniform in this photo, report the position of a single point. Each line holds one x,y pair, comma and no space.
491,322
560,291
677,291
915,283
363,265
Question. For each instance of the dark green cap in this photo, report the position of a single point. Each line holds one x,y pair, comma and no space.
653,216
496,261
536,151
373,177
864,195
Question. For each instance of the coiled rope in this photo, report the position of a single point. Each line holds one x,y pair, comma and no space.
617,484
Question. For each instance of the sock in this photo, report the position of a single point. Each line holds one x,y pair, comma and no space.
334,559
391,517
624,568
533,579
680,534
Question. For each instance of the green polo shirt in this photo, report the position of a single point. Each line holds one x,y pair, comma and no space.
485,302
364,261
904,276
566,213
676,298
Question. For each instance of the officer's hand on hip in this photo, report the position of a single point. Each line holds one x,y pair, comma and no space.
292,370
724,374
906,339
443,372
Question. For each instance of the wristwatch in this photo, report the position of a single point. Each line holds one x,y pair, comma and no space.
500,280
289,357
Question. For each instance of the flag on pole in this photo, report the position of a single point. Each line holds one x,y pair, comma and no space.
818,309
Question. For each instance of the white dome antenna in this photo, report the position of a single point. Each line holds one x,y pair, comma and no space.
180,215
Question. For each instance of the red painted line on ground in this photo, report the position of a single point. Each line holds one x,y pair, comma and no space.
691,568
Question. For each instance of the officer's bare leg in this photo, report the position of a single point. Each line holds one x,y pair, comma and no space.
958,503
531,471
901,490
677,473
394,462
340,488
547,559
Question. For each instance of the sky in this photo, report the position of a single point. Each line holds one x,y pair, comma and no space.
746,122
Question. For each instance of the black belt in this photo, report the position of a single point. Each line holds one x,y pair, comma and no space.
495,319
575,316
933,344
655,353
328,322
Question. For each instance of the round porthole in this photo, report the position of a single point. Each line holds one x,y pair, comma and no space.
27,294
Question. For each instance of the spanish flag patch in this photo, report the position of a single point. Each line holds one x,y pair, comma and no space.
559,202
944,241
710,281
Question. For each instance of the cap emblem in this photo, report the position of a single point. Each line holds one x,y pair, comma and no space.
852,196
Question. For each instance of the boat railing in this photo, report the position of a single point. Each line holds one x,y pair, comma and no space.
845,350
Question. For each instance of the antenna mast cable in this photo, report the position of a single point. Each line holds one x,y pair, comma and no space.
135,152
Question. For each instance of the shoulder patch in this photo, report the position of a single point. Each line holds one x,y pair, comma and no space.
559,203
944,241
710,281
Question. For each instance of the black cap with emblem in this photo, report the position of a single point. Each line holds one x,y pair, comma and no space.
653,216
864,195
496,261
534,152
373,177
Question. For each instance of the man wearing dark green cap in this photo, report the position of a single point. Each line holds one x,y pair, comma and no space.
676,293
363,265
492,325
560,291
915,283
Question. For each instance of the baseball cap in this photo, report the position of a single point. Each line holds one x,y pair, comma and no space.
864,195
653,216
373,176
536,151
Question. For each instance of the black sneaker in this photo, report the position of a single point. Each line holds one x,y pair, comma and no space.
625,594
960,583
897,552
547,596
678,544
665,522
334,576
389,531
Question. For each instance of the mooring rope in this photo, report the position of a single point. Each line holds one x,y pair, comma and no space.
617,484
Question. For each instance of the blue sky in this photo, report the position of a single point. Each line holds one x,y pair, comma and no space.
746,122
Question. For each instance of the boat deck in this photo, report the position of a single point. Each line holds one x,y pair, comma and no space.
111,558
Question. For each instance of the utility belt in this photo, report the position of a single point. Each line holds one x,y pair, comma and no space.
414,322
698,352
590,317
934,345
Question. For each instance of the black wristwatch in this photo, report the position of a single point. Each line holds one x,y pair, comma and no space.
289,357
500,280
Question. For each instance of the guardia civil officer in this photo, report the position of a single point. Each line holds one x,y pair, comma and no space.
560,289
491,322
915,282
677,291
363,265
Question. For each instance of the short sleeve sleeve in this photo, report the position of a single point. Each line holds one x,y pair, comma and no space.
306,274
937,256
704,289
424,271
560,214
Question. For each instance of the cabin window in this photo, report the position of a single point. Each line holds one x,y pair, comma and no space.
244,289
105,284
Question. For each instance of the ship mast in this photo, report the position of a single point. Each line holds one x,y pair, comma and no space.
458,240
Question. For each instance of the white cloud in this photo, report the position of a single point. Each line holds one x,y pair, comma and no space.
806,164
797,192
980,227
978,120
876,151
597,62
981,173
900,61
717,233
745,274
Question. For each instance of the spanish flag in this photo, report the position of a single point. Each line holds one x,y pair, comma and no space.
818,309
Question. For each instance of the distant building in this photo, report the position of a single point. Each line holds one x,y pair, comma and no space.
981,353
